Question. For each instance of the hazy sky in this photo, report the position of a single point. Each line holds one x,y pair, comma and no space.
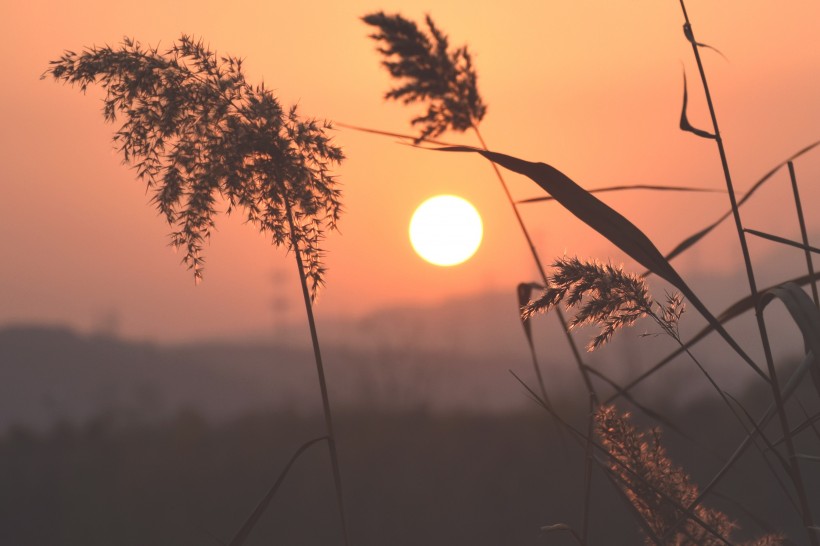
593,88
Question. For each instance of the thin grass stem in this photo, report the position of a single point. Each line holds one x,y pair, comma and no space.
733,311
256,515
580,436
576,353
794,467
317,353
803,232
782,240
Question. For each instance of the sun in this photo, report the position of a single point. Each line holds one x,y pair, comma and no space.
446,230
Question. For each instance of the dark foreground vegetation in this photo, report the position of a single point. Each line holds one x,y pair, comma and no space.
411,478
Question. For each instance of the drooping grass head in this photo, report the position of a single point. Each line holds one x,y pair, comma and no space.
195,130
431,74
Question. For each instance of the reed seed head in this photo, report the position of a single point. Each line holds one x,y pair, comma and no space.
603,294
430,72
657,488
194,129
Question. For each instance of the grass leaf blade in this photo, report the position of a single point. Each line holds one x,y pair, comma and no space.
609,223
805,315
684,120
253,519
781,240
694,238
733,311
687,31
650,187
803,232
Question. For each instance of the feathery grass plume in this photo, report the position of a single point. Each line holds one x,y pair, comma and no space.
649,479
606,296
195,129
445,80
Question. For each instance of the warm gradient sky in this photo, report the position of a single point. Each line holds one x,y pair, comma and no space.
593,88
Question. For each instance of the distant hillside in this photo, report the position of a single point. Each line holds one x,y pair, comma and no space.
454,355
52,374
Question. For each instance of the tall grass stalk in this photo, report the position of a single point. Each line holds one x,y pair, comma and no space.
195,130
803,231
592,395
793,468
320,370
542,273
446,82
650,485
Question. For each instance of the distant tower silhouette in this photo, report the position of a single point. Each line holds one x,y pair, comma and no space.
107,323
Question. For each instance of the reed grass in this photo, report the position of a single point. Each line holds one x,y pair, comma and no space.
195,130
793,466
447,83
803,233
611,298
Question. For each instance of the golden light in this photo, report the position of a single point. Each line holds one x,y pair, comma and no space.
446,230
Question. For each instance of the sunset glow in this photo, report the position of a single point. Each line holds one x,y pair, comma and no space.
593,89
446,230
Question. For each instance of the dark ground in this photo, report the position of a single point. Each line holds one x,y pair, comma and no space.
411,479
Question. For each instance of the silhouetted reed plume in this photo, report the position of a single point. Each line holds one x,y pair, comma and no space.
606,296
444,80
658,489
196,130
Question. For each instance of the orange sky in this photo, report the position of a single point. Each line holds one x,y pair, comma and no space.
594,88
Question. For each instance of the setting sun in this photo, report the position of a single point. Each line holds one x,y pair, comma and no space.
446,230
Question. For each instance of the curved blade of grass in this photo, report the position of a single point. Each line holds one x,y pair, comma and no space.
631,187
524,292
609,223
749,440
759,432
814,458
684,121
806,415
411,138
781,240
808,423
803,233
562,527
690,36
733,311
807,318
694,238
253,519
805,315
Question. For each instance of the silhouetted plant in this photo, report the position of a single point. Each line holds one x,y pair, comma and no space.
196,130
793,467
657,488
442,79
606,296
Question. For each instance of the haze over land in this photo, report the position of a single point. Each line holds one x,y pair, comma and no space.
453,356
